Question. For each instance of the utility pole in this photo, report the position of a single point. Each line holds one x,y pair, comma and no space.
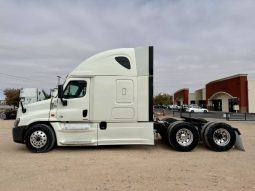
58,80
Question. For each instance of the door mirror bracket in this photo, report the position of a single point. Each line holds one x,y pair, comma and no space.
61,95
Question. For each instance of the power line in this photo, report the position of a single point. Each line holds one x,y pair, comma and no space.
19,77
14,76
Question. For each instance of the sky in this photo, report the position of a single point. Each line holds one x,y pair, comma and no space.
195,41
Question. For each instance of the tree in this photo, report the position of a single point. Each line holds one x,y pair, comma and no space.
163,99
12,96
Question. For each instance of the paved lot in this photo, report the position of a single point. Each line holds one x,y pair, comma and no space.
127,167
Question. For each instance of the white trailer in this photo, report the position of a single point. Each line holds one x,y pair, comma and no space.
108,100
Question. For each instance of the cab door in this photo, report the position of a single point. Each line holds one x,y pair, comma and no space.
75,127
76,93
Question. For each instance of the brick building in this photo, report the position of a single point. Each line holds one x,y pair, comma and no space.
231,94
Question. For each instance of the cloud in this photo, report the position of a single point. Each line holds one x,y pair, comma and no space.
195,41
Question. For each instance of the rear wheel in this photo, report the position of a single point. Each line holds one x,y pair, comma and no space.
183,136
40,138
202,133
169,128
220,136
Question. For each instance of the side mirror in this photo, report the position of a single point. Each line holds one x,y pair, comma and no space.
61,95
60,91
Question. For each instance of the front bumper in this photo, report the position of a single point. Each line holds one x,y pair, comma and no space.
18,134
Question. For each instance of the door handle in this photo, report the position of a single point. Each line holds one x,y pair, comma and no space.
103,125
85,113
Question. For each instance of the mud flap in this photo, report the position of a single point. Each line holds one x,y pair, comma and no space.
239,143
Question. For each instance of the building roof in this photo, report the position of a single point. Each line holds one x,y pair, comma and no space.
183,89
228,78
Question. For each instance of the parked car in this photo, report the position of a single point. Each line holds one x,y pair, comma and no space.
170,106
184,108
10,114
174,107
196,109
160,107
156,107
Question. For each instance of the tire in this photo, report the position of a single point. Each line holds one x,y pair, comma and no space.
169,128
202,133
205,111
175,132
40,138
220,137
163,129
192,111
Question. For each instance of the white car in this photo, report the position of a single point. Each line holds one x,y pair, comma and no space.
174,107
196,109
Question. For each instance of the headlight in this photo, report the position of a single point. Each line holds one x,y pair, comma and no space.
16,123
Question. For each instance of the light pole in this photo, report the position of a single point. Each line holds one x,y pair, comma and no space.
58,80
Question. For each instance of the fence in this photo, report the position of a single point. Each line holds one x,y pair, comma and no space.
217,115
240,116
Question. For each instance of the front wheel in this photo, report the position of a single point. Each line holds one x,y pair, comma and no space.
40,138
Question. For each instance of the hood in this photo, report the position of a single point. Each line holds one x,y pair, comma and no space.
35,111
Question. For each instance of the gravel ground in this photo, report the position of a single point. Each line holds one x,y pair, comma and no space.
127,167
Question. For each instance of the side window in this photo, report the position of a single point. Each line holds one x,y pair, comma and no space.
123,61
75,89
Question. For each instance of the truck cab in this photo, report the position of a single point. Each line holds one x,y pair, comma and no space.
106,100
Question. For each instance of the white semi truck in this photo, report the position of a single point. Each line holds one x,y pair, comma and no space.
31,95
108,100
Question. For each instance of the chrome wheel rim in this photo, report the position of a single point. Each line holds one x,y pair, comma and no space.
38,139
184,137
221,137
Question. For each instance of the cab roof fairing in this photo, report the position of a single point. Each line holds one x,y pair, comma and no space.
105,64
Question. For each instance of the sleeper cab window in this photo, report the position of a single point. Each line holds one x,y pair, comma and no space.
123,61
75,89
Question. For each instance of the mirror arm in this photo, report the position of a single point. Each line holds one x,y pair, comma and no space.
22,107
64,102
